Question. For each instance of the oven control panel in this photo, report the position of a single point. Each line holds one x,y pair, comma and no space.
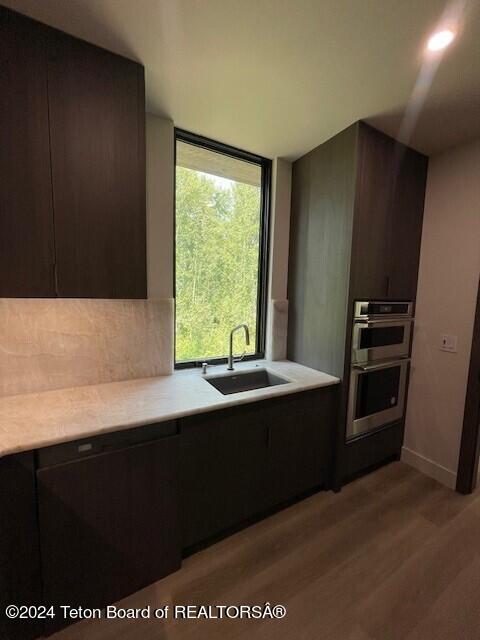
370,309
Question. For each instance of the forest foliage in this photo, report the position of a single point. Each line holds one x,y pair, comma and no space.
217,258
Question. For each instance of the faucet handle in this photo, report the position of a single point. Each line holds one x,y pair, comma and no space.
240,358
205,365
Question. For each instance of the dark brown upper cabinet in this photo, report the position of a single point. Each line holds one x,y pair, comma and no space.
27,257
387,217
73,166
372,215
97,119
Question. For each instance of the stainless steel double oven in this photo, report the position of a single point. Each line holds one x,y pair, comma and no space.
380,358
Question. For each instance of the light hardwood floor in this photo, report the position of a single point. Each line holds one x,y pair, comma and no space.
394,556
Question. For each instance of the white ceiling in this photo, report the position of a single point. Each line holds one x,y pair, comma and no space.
278,77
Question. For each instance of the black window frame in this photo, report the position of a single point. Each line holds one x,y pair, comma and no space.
264,248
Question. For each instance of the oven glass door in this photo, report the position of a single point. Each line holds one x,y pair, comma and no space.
377,340
376,397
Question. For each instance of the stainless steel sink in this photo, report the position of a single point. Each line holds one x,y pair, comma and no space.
238,381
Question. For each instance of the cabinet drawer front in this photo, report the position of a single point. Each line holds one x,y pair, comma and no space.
109,523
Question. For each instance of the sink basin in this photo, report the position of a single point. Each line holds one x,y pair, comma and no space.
238,381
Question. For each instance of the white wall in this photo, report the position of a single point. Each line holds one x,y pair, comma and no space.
160,196
447,292
277,311
280,231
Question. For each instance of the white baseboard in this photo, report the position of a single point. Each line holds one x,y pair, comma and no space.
429,468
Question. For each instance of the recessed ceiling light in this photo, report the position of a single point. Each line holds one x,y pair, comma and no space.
440,40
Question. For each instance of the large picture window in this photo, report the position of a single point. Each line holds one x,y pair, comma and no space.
221,221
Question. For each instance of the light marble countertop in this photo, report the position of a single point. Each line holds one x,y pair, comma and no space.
37,420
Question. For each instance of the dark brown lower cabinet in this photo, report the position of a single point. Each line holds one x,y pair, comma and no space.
367,453
240,462
108,524
222,480
300,443
20,582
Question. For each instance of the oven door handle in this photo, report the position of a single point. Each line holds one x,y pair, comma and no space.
383,365
385,321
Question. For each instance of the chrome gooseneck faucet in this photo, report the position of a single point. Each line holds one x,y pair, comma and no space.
231,359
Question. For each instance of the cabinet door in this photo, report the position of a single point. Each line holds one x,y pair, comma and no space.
300,441
26,212
97,122
20,581
406,220
371,227
108,524
223,463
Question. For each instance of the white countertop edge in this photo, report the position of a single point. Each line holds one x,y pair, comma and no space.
69,424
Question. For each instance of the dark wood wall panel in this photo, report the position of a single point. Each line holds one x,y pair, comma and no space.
26,213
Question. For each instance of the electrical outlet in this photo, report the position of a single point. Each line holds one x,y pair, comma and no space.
448,343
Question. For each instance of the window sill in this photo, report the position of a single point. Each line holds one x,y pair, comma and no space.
193,364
